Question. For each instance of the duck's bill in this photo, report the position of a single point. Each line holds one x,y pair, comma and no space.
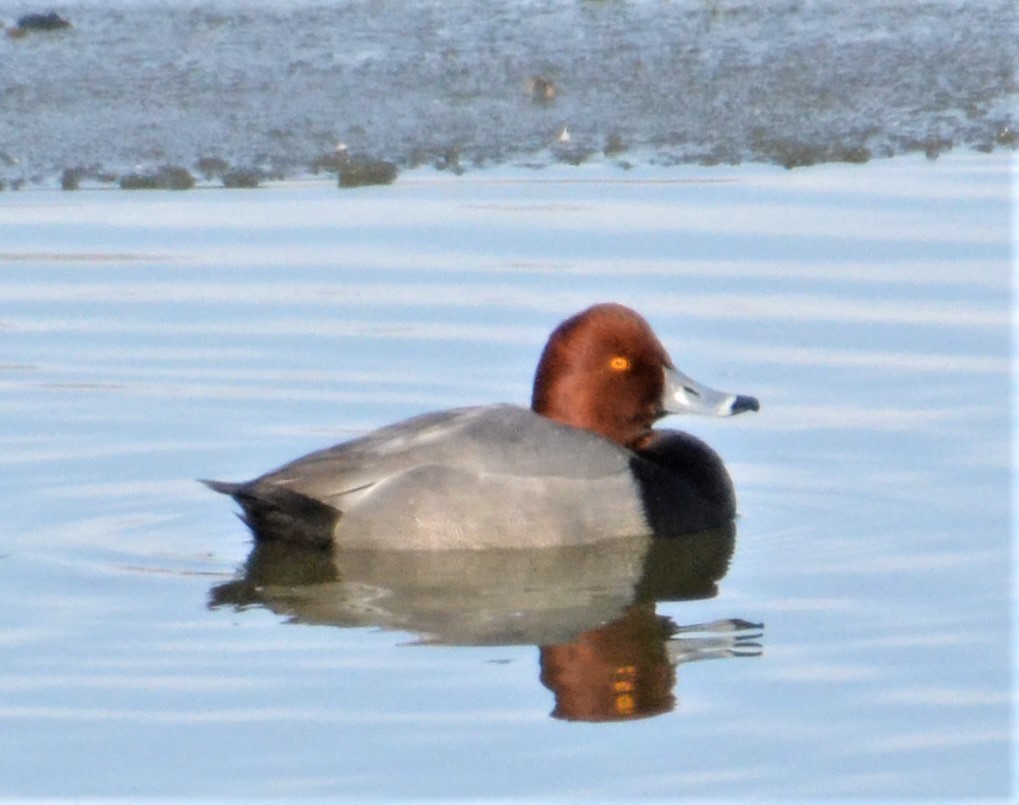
684,395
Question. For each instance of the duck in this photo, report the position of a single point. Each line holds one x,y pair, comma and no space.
583,465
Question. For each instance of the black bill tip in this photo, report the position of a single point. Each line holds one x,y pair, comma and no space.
743,403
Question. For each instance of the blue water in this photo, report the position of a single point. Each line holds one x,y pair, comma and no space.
152,339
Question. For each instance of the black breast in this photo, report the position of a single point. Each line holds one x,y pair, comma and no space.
684,485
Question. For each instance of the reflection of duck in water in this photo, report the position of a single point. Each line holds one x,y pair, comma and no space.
604,651
582,466
627,668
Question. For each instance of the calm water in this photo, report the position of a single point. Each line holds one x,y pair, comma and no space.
150,339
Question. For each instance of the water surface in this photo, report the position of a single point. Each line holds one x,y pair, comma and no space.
150,340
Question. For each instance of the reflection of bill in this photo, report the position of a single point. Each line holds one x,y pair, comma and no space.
627,668
604,651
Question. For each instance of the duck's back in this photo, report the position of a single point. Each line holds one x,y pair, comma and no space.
491,476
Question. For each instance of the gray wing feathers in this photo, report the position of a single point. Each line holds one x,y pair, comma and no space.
498,440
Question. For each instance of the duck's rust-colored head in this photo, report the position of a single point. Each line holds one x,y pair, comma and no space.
604,370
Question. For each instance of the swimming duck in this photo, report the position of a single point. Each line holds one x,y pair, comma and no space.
582,465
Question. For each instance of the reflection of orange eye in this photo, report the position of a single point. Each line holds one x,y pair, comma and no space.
619,363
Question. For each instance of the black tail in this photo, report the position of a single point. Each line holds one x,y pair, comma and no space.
224,487
277,513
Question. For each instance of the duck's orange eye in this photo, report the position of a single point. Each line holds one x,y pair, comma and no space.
619,363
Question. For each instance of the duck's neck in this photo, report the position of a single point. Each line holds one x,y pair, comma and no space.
581,411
